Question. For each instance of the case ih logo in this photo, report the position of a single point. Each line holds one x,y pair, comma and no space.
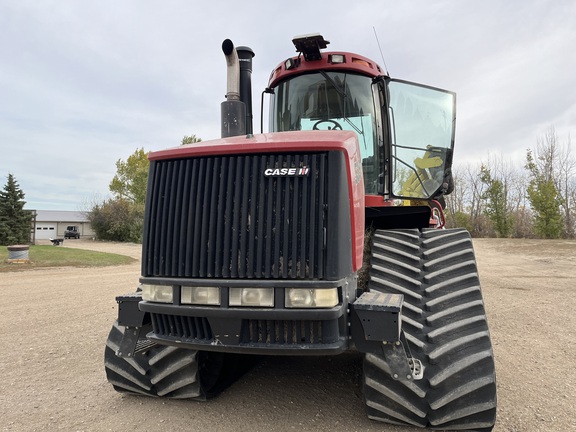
287,172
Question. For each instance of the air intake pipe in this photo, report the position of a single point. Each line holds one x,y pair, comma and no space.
245,56
236,111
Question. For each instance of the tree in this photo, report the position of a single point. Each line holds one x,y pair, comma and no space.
496,207
566,185
131,177
457,202
15,222
121,218
190,139
543,194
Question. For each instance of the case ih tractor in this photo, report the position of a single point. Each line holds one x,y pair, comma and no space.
319,237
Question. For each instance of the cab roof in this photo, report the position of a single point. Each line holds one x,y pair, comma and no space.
330,61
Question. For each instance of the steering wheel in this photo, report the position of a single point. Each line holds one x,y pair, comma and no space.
336,126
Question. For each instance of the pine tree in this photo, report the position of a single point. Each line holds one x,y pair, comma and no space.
15,222
496,203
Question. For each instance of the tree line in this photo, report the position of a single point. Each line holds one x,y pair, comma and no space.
534,199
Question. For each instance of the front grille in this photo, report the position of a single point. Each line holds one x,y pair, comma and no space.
272,332
182,327
220,217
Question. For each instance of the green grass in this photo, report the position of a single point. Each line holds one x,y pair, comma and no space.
50,256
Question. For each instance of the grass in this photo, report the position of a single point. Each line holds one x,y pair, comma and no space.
50,256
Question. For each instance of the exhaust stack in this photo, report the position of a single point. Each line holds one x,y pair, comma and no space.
233,71
236,111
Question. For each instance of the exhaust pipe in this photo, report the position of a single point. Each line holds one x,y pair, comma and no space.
245,56
236,111
233,110
233,71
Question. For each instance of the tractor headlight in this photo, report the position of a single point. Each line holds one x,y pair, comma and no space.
257,297
157,293
200,295
311,297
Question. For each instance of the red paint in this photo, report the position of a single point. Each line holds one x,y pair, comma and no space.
353,63
377,201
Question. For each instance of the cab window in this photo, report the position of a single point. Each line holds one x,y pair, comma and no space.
331,101
422,126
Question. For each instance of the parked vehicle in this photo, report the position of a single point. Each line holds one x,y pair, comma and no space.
72,232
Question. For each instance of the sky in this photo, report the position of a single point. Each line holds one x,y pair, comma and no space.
85,84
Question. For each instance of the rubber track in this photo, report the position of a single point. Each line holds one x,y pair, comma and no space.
162,371
445,324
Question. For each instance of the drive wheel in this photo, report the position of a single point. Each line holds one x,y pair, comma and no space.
169,371
445,325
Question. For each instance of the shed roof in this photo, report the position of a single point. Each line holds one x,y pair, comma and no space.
60,216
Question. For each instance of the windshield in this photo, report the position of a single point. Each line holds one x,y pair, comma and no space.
422,124
331,101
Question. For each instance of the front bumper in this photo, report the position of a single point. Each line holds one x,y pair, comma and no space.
247,330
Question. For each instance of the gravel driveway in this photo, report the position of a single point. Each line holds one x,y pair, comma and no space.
55,322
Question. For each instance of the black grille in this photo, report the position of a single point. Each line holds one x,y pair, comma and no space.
220,217
181,326
272,332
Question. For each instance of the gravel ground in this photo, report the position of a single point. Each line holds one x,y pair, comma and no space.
55,322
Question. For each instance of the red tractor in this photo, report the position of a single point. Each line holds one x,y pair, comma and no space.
319,237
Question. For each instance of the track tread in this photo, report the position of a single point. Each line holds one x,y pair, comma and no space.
161,371
445,325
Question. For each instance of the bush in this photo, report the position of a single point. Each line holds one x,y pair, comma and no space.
117,220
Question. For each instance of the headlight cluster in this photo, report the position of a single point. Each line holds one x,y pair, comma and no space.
157,293
311,298
247,297
263,297
200,295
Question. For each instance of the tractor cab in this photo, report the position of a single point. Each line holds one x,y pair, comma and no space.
405,130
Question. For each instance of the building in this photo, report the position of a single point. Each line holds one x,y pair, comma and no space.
49,224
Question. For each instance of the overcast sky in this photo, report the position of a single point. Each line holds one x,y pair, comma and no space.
83,84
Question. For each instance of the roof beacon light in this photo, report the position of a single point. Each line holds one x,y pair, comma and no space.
310,45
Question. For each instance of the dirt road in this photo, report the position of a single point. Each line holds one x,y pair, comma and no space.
54,324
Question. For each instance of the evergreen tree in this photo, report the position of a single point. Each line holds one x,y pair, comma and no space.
496,203
15,222
544,199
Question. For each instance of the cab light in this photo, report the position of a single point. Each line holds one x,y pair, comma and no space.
255,297
311,297
337,58
157,293
289,64
200,295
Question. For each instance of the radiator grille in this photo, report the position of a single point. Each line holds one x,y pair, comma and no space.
273,332
181,326
220,217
